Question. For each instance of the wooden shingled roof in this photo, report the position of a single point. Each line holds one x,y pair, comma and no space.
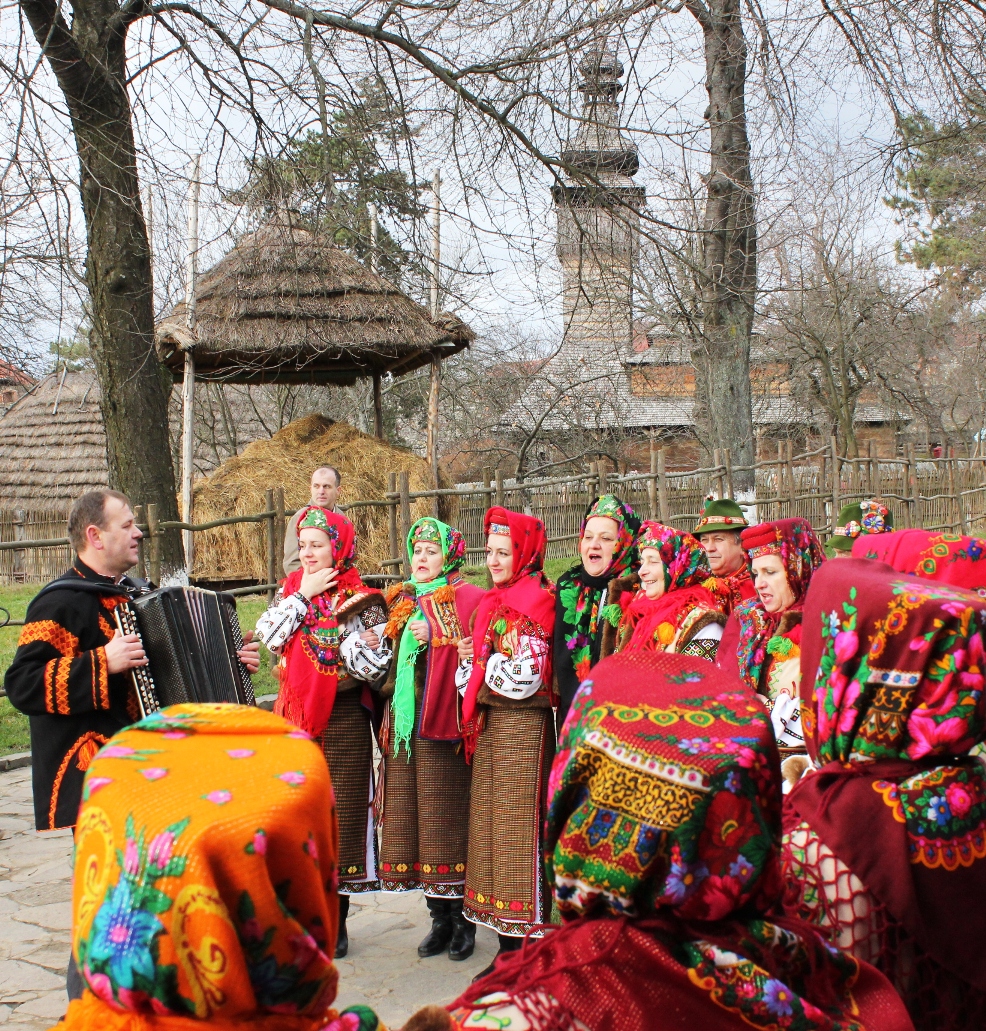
287,305
52,444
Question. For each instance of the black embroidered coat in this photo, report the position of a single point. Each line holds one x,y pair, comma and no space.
59,679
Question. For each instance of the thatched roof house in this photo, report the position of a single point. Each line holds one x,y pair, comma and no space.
286,460
287,305
52,444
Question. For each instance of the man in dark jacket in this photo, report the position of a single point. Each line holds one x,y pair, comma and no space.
70,671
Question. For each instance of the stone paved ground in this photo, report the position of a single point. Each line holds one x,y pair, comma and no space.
382,969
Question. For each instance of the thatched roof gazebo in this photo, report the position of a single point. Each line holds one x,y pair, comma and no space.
53,444
287,306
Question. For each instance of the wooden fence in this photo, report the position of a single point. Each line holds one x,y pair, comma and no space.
938,494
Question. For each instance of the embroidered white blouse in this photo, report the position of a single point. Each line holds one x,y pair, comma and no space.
285,616
517,677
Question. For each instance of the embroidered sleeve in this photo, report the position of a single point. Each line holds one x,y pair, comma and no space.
518,676
462,674
361,661
705,643
785,715
51,673
281,620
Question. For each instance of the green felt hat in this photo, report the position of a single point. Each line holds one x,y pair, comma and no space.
858,520
719,515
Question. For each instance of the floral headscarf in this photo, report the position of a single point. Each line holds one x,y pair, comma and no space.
945,557
407,610
205,878
579,613
800,551
892,701
686,568
663,844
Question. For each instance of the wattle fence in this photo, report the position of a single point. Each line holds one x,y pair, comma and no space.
935,493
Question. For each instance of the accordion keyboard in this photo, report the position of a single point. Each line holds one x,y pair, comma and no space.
126,621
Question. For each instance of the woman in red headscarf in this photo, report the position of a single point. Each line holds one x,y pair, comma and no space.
509,730
885,841
762,639
328,628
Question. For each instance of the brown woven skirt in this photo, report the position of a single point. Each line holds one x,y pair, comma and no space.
348,748
425,819
505,886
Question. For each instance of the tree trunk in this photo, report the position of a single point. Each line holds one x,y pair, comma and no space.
89,63
723,410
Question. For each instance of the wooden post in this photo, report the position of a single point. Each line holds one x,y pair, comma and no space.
377,407
393,544
906,489
141,556
779,477
405,519
188,381
871,490
280,527
154,533
487,486
917,515
791,486
720,474
499,488
433,393
18,556
271,543
602,478
836,500
652,482
662,486
728,458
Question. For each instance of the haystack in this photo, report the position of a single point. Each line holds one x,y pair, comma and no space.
287,306
287,459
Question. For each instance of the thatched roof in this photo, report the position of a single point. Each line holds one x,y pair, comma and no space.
52,444
287,305
286,460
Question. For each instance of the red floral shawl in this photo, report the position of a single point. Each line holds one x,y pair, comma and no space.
892,701
686,569
945,557
743,648
525,602
663,844
311,656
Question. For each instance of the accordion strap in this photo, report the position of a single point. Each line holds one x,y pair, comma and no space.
126,587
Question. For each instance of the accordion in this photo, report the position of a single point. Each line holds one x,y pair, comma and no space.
190,638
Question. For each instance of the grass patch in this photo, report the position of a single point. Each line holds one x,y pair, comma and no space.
14,734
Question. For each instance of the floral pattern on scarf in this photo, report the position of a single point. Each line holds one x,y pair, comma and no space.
892,702
663,843
945,557
801,554
205,874
579,614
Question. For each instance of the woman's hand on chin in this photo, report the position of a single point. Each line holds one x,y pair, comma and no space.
317,582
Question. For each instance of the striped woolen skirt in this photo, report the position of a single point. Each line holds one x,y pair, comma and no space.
425,819
505,885
347,744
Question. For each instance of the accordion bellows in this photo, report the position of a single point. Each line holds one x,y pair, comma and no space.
191,638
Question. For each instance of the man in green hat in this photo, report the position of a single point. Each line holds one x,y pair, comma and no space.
719,531
857,520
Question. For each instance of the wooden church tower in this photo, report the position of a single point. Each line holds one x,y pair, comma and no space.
598,220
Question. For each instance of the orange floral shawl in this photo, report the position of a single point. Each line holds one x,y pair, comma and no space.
205,878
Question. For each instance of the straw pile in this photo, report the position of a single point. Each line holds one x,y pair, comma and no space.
287,459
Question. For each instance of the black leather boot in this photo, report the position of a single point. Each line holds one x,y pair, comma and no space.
438,938
507,944
342,939
463,933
